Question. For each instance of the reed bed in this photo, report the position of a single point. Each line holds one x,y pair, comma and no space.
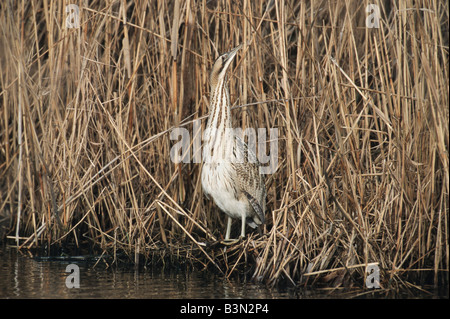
362,117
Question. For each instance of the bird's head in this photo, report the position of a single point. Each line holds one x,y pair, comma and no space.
221,65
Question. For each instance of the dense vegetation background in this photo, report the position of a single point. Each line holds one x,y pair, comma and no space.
362,114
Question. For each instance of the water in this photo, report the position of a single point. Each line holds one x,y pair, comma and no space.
24,277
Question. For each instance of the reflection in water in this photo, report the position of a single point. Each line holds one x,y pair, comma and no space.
23,277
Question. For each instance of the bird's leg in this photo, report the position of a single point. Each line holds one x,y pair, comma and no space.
227,235
227,240
244,217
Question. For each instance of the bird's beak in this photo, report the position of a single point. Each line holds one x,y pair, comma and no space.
232,53
230,56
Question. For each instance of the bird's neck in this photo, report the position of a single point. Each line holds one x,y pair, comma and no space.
218,134
220,116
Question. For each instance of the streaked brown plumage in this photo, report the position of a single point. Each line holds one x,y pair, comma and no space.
230,172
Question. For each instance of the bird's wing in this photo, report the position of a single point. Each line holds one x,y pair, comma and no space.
250,180
256,207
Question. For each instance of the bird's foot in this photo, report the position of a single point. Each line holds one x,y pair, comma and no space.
230,242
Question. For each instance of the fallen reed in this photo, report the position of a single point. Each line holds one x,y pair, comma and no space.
362,116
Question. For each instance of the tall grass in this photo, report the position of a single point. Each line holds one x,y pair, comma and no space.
362,114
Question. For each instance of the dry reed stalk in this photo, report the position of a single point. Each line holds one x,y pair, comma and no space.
362,113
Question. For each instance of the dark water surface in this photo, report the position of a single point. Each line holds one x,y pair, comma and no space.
22,276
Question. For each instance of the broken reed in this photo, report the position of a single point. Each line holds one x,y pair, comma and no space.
362,116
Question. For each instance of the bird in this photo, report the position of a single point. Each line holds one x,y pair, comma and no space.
230,171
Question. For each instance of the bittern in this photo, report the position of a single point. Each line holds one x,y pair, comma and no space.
230,172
